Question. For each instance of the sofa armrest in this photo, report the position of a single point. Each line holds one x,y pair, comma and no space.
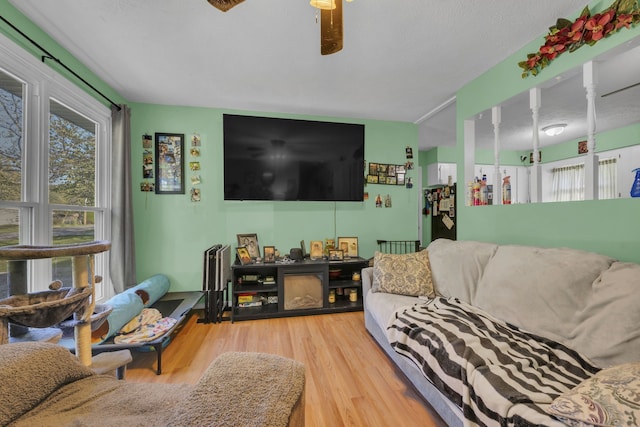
367,279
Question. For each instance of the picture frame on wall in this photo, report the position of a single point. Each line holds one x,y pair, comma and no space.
243,255
351,245
250,241
169,149
315,249
388,174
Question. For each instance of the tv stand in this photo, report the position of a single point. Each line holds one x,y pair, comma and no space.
301,288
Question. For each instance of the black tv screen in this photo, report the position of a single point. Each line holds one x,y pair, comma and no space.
286,159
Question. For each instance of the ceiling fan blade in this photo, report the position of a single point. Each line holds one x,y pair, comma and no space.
331,30
224,5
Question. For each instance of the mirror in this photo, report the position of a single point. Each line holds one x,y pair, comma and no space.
564,101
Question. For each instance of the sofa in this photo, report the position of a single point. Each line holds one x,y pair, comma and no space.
511,335
43,384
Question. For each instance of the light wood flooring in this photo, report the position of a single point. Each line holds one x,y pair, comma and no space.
350,381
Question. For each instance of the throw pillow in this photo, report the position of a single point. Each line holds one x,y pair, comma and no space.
403,274
609,398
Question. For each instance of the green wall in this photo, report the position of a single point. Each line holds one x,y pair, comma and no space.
172,232
609,227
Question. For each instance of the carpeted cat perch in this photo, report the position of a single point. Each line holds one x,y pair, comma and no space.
224,5
48,308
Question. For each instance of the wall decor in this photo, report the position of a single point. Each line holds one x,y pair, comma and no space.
568,36
409,152
147,187
349,245
147,141
583,148
147,162
195,194
147,171
169,163
195,140
385,173
250,241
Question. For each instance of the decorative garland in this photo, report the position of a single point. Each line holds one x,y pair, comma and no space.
567,36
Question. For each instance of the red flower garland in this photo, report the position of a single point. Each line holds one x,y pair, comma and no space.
567,36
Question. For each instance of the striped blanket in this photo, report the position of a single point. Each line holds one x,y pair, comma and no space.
496,373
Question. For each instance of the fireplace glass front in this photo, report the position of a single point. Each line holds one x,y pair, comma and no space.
302,291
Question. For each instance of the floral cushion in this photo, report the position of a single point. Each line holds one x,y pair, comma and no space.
609,398
403,274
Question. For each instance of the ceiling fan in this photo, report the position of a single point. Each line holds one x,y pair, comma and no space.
331,34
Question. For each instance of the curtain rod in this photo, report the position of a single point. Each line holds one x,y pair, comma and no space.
48,55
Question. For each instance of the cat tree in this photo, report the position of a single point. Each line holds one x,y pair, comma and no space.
48,308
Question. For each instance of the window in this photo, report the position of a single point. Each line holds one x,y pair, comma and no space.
54,163
568,181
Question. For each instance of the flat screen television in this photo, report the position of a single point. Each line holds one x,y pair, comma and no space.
269,158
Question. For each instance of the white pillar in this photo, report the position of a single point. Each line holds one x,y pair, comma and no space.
535,102
469,158
496,119
590,80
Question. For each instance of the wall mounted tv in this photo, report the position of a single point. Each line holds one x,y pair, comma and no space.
286,159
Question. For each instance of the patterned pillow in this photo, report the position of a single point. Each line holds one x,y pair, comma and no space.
609,398
403,274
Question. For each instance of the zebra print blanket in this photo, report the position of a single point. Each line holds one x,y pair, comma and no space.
496,373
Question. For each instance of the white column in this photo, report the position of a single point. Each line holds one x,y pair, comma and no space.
535,101
590,80
469,159
496,119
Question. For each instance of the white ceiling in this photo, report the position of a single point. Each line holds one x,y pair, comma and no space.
402,60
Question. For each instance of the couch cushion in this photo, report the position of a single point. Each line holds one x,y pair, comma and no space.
30,372
542,290
402,274
608,329
383,306
609,398
457,266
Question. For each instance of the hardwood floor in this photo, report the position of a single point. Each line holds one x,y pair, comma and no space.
349,380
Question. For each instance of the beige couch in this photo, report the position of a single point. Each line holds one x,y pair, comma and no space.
44,385
575,301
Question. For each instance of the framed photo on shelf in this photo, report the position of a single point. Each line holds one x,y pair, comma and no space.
336,255
250,241
243,255
316,249
169,163
349,245
269,254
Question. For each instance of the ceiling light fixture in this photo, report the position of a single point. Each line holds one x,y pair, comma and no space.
554,130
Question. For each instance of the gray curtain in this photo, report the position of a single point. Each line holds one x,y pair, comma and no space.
122,253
